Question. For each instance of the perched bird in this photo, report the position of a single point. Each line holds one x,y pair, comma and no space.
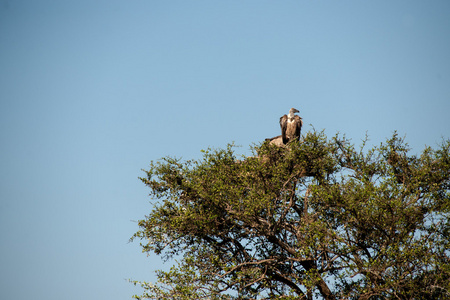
291,126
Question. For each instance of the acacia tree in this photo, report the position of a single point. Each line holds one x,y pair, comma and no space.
315,219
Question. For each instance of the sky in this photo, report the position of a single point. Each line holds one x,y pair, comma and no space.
92,91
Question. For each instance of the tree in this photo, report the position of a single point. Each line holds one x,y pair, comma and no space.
318,219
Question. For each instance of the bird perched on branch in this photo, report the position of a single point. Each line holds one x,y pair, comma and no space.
291,126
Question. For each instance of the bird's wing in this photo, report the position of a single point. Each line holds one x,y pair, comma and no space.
298,122
298,126
283,125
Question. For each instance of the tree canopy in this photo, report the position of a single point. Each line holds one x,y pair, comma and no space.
318,219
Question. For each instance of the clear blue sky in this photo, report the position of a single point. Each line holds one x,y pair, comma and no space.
92,91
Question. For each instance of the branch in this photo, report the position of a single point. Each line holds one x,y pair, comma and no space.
283,279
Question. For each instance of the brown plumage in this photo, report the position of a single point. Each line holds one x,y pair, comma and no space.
291,126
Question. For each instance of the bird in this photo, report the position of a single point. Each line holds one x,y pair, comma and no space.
291,126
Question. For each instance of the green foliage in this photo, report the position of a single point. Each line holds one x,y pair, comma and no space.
313,218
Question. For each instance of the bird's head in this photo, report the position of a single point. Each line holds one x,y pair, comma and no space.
293,111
